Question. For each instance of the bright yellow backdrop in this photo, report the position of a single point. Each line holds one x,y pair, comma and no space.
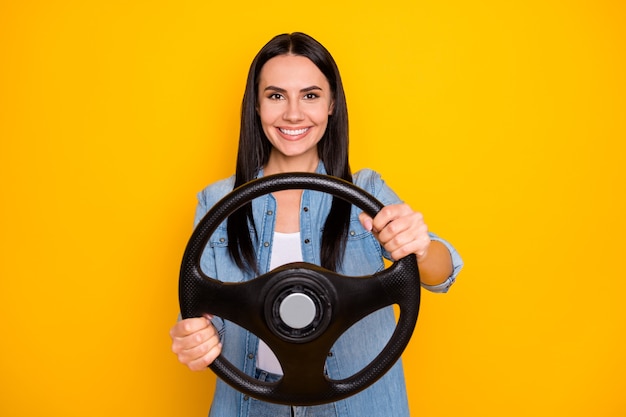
504,122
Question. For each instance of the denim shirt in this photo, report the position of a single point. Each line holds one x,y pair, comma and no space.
358,346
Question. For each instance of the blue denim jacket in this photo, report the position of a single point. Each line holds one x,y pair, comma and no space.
364,256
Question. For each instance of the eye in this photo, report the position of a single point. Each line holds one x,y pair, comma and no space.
310,96
275,96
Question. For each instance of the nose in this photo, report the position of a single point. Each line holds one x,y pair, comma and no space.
293,111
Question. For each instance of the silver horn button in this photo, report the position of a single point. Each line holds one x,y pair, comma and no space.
297,311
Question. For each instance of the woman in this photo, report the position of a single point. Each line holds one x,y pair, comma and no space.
294,119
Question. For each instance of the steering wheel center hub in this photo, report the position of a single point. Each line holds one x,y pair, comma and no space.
297,306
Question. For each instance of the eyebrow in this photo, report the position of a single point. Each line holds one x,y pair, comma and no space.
282,90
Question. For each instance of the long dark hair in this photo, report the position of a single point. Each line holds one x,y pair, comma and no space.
254,151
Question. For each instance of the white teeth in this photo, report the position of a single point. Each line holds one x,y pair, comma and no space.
293,132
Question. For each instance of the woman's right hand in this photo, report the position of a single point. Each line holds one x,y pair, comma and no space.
196,342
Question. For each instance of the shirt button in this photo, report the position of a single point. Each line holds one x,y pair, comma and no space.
352,233
307,241
305,209
270,212
266,244
330,354
246,398
250,355
222,240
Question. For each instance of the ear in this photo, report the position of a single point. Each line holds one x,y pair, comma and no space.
331,108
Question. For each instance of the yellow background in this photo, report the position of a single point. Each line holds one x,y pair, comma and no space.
503,122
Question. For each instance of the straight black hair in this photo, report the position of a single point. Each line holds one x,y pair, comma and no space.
254,151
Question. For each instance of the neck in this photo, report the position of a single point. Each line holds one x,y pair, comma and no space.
278,164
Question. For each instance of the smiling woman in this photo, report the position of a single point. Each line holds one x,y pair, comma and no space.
295,89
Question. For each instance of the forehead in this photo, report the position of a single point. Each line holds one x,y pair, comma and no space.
291,71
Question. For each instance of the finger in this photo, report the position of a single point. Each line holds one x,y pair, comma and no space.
207,359
419,247
423,243
195,346
190,341
400,231
389,214
403,237
189,326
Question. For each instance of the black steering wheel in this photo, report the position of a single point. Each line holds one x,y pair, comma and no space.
300,309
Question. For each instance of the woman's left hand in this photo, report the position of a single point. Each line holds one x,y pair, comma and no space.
400,230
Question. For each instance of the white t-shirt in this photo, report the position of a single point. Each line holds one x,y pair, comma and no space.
285,249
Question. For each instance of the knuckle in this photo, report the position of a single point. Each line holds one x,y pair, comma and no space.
182,359
395,210
203,349
208,359
393,227
401,252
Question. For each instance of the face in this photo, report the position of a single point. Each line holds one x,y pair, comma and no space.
294,102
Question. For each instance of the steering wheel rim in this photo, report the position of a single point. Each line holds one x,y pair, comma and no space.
301,352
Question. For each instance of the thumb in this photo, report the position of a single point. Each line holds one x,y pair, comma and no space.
366,221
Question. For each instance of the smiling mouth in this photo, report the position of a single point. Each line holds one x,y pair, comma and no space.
293,132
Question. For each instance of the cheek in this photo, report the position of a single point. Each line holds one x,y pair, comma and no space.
319,113
321,117
270,111
266,117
